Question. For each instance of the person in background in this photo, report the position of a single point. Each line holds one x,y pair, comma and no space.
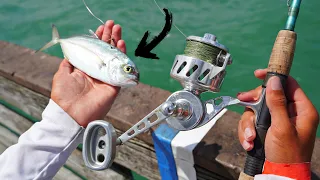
290,139
77,99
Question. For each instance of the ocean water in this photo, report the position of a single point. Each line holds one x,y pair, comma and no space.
247,28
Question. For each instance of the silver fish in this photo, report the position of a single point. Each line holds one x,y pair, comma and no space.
97,59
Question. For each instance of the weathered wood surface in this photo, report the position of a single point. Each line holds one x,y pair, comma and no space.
19,125
219,152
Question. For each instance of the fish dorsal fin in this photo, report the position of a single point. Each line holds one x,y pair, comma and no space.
93,34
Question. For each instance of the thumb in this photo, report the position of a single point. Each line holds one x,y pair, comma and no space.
277,103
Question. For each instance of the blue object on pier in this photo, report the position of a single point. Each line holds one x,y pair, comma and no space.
162,138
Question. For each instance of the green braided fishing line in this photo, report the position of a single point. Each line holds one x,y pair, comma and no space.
201,51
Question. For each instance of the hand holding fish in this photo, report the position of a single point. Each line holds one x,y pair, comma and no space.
84,98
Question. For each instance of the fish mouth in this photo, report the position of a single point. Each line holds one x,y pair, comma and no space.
136,81
137,74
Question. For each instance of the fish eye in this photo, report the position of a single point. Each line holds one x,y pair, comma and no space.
128,69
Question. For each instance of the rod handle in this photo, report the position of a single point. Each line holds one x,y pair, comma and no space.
283,52
280,62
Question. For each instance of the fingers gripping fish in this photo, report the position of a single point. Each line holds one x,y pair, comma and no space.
97,59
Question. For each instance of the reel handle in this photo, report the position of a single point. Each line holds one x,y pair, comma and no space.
279,65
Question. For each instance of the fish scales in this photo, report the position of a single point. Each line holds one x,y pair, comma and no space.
89,55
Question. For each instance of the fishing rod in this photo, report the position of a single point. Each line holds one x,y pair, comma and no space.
280,62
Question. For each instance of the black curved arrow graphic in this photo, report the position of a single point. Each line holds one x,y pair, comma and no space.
144,48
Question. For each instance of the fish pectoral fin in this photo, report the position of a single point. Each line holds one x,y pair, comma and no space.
101,65
93,34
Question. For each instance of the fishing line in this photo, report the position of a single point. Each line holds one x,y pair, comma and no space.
97,19
92,12
173,23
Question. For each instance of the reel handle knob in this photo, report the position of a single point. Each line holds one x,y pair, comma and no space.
99,145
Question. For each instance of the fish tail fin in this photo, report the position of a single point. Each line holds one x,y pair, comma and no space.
55,33
55,39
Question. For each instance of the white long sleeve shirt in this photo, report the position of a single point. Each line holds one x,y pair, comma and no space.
43,149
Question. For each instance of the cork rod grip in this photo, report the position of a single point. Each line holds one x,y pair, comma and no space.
282,53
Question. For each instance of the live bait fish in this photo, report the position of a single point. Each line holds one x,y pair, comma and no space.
97,59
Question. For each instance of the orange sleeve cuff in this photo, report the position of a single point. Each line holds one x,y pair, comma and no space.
299,171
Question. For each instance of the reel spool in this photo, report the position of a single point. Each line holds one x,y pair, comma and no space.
202,68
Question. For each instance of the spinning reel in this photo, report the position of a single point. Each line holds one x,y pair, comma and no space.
183,110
